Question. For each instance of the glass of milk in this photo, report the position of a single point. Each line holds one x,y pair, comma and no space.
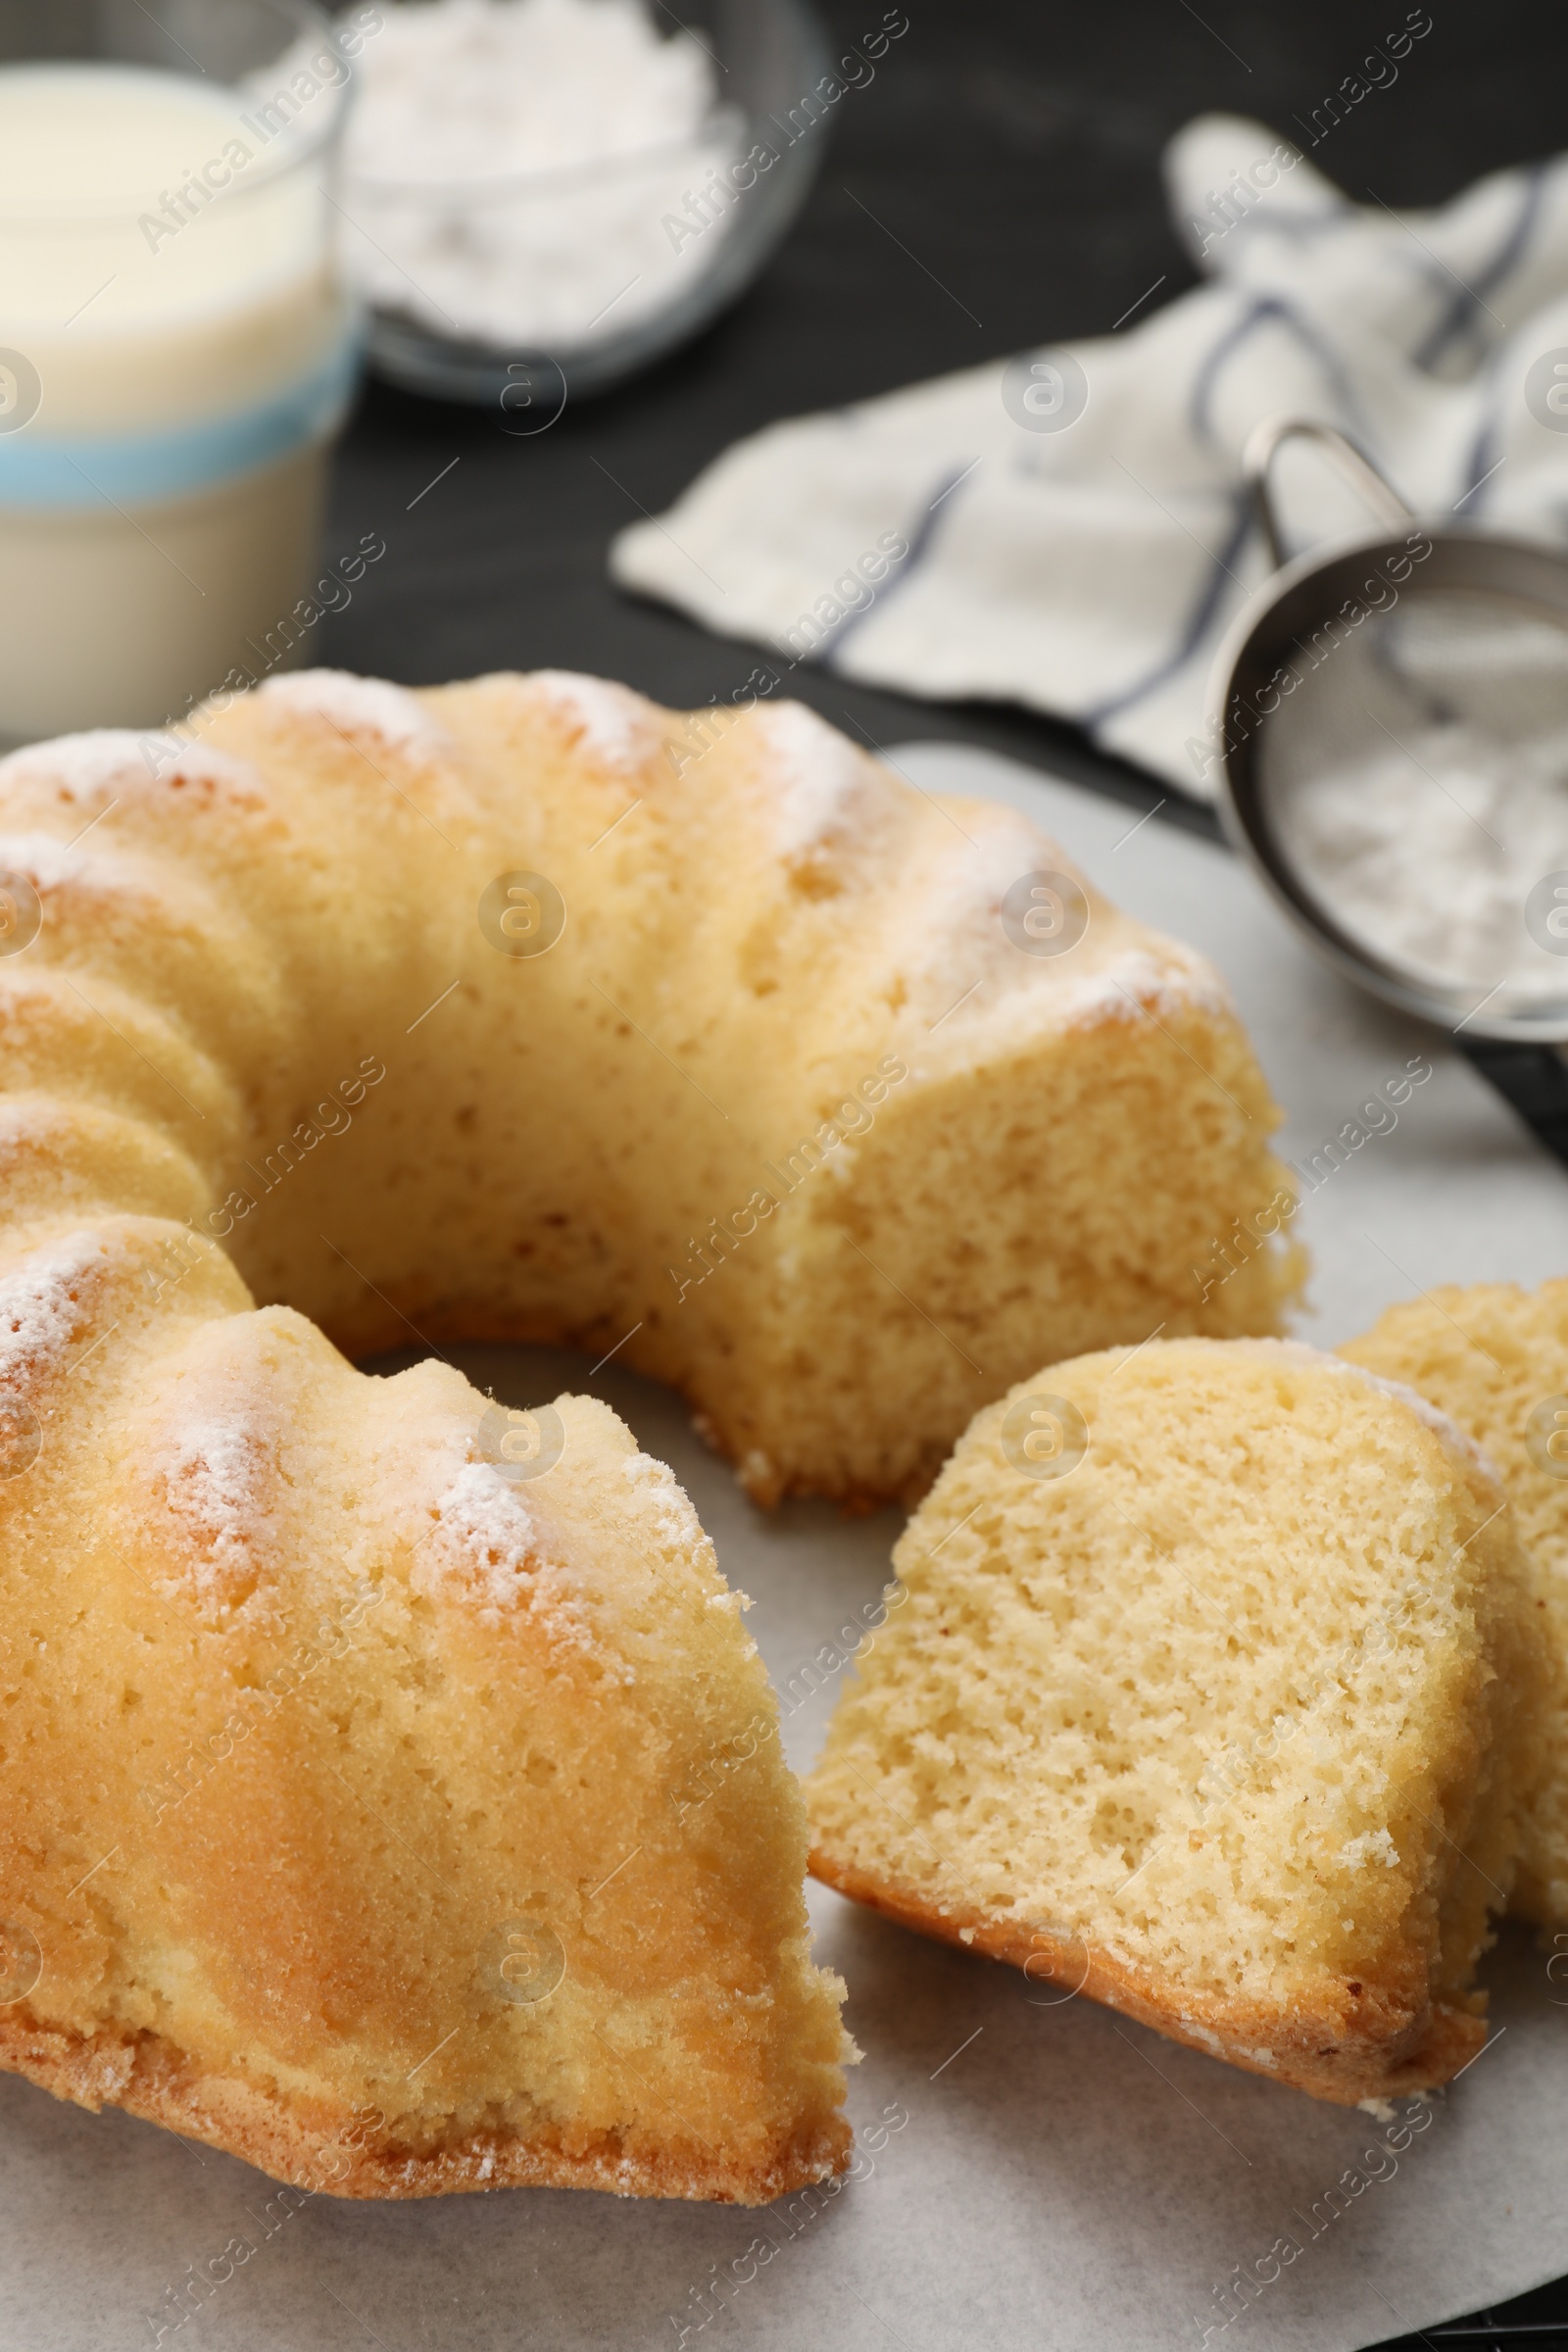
175,349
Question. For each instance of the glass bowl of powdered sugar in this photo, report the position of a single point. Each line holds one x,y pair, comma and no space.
541,197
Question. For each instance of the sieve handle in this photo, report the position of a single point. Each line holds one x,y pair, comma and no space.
1263,443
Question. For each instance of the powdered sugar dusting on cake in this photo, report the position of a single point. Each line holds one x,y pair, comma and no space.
359,708
970,984
1373,1846
488,1551
608,723
486,1537
968,974
52,865
667,1505
94,887
819,788
113,763
48,1306
82,763
1136,983
949,933
217,1475
48,863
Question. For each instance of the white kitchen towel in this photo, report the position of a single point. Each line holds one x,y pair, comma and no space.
1073,528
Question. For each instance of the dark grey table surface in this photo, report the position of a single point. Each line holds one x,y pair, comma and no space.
1012,155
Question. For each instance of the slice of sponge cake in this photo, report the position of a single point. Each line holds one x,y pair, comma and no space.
1211,1697
1497,1358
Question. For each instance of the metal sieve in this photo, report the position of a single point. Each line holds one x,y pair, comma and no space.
1391,719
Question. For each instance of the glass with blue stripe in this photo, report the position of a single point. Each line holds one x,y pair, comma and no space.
176,350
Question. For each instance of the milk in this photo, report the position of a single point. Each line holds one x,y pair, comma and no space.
174,356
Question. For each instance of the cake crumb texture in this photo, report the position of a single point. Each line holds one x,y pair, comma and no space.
1223,1724
1495,1358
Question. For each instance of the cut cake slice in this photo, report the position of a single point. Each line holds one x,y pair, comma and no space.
1496,1358
1207,1693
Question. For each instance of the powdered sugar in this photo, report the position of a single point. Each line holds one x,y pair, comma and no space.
1137,983
84,763
531,172
820,788
666,1501
1418,790
1128,987
486,1537
949,931
217,1477
607,722
48,1304
112,764
1373,1846
968,973
487,1550
47,863
359,706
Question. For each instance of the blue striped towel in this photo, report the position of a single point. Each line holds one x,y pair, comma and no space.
1068,530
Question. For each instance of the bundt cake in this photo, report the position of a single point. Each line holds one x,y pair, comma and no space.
1496,1358
349,1729
1211,1697
524,1010
360,1812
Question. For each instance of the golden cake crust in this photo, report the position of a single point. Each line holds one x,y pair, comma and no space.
1376,2047
150,2077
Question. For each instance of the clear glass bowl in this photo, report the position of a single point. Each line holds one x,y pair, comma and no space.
771,57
